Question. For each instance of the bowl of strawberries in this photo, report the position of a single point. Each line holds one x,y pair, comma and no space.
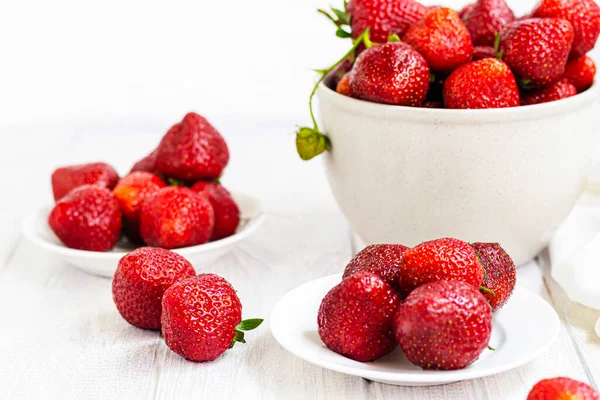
171,199
474,124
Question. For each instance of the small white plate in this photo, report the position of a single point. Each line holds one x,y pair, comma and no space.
36,229
294,326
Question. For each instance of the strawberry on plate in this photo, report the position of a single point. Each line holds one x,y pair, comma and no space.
557,91
384,17
485,19
382,260
355,317
500,273
562,389
65,179
202,317
140,281
227,212
443,325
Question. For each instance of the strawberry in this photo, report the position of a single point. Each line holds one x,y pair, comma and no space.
392,73
65,179
355,317
487,83
382,260
227,212
176,217
580,72
131,191
88,218
584,16
500,273
343,86
465,10
384,17
537,50
140,281
441,259
562,388
481,52
559,90
202,317
442,38
192,150
443,325
146,164
485,19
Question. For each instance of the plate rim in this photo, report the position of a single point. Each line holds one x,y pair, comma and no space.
429,377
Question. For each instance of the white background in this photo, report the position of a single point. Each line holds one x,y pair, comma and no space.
150,62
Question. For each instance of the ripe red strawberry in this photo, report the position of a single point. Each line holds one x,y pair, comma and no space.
487,83
443,325
131,191
442,38
537,50
465,10
584,16
355,317
227,212
500,273
559,90
65,179
343,86
202,317
382,260
192,150
580,72
562,388
140,281
392,73
441,259
88,218
481,52
146,164
384,17
176,217
485,19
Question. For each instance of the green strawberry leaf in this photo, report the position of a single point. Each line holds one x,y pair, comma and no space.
487,290
249,324
491,348
341,33
175,182
393,38
343,17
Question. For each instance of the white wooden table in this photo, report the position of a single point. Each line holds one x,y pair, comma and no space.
62,337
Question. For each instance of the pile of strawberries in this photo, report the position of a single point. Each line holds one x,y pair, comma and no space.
480,57
170,199
435,300
200,316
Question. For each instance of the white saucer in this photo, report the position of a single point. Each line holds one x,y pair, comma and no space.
36,229
522,330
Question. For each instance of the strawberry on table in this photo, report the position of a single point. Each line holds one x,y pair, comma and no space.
443,325
175,217
441,259
382,260
131,191
65,179
487,83
487,18
192,150
562,389
140,281
88,218
537,50
558,91
146,164
227,212
355,317
584,16
392,73
384,17
202,317
580,72
500,273
441,38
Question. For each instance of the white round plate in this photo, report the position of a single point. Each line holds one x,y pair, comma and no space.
36,229
294,326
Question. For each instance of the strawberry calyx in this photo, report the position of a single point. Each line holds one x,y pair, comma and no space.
310,142
245,326
497,40
487,290
340,19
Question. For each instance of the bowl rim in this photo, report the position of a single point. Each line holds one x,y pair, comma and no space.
463,116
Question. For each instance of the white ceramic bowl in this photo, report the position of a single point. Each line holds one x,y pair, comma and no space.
36,229
406,175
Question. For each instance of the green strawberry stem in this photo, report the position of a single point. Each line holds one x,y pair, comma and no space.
491,348
175,182
340,19
499,53
487,290
310,142
245,326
